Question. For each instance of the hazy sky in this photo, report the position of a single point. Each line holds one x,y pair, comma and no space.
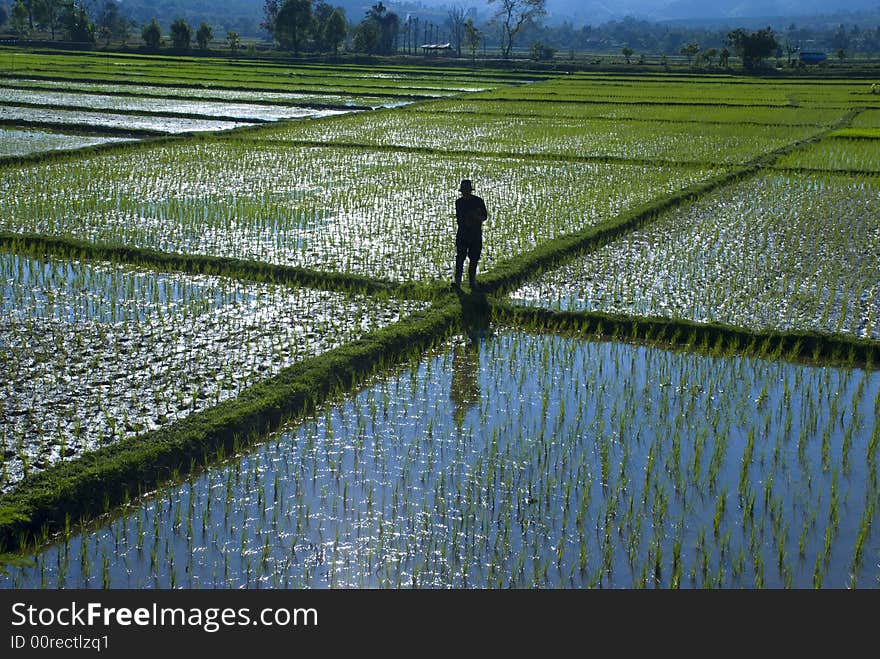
664,9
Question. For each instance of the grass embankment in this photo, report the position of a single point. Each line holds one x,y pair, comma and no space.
802,347
99,480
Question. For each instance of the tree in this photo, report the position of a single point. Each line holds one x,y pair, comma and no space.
690,50
108,21
455,21
472,38
710,55
541,52
234,41
367,37
389,27
77,25
181,35
335,30
841,54
513,15
50,14
293,23
753,47
627,53
204,35
270,13
18,19
378,32
3,15
152,35
124,30
723,57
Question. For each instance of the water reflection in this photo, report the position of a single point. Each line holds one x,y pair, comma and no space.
464,389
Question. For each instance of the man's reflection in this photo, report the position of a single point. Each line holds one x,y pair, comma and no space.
464,390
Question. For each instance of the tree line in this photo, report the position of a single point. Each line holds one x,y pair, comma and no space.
512,27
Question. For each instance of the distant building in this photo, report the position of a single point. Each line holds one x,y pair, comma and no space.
812,56
436,48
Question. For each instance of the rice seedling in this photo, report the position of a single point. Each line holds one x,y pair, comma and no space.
778,251
644,140
836,153
323,208
485,501
97,352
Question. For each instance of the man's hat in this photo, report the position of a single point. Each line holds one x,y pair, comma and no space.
466,186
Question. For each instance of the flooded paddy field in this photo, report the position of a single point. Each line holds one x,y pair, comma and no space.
669,90
94,353
414,82
507,459
330,209
24,141
79,119
209,109
519,460
202,94
838,153
545,136
778,251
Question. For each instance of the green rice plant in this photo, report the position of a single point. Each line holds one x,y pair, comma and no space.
150,352
643,140
776,251
836,153
268,203
487,500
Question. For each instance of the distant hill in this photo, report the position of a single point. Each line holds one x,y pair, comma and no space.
245,15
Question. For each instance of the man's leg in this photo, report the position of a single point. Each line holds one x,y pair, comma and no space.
474,252
461,252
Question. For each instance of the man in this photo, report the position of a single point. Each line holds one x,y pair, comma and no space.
470,213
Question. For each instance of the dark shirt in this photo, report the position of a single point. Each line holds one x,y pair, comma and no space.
470,213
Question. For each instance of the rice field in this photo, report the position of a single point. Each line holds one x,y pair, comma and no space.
726,144
95,353
699,113
22,142
387,215
79,119
425,82
202,94
524,461
499,459
722,89
780,251
867,119
850,155
155,105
